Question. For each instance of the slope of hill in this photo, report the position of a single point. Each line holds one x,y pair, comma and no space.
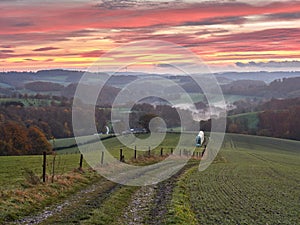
253,180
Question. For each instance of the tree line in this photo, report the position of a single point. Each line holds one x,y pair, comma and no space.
16,139
275,118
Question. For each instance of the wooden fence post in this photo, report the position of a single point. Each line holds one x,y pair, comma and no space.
102,158
121,154
44,166
53,168
80,162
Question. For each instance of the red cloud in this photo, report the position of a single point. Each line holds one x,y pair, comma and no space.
47,24
55,17
95,53
45,49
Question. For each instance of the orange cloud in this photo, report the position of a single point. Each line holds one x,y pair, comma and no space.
81,31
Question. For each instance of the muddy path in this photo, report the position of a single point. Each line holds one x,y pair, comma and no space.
149,205
76,207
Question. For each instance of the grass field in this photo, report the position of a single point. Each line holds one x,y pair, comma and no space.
257,182
113,145
251,118
254,180
27,102
13,167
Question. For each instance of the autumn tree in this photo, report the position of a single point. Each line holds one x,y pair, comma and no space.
38,140
16,139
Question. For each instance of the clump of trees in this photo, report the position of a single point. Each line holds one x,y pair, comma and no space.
16,139
52,120
282,124
275,118
141,115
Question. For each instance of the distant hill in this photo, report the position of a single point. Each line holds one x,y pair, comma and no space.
280,88
279,104
244,87
260,84
262,76
40,86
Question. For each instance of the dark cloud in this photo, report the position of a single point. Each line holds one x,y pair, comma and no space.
23,24
42,37
117,4
218,20
6,46
131,4
283,16
211,31
7,51
187,40
33,37
276,34
271,64
174,65
263,40
95,53
83,32
45,49
164,65
31,60
15,22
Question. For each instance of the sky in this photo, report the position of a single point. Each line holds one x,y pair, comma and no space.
228,35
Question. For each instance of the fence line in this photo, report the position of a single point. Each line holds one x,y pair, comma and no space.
151,152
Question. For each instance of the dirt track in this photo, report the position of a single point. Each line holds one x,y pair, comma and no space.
76,207
148,204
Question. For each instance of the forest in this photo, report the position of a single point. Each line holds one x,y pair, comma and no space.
43,109
274,118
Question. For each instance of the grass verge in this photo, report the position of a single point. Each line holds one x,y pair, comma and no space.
30,199
112,209
179,210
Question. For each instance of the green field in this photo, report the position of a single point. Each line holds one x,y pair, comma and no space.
257,183
251,119
254,180
68,145
28,102
113,145
13,167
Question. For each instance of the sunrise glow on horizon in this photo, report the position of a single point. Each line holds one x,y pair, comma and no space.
226,35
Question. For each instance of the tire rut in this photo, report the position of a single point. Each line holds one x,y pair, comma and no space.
163,198
149,205
75,208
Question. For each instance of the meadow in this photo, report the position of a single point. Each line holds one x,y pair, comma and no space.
13,168
27,102
253,180
254,184
251,119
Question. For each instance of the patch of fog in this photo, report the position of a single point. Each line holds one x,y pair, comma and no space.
215,110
